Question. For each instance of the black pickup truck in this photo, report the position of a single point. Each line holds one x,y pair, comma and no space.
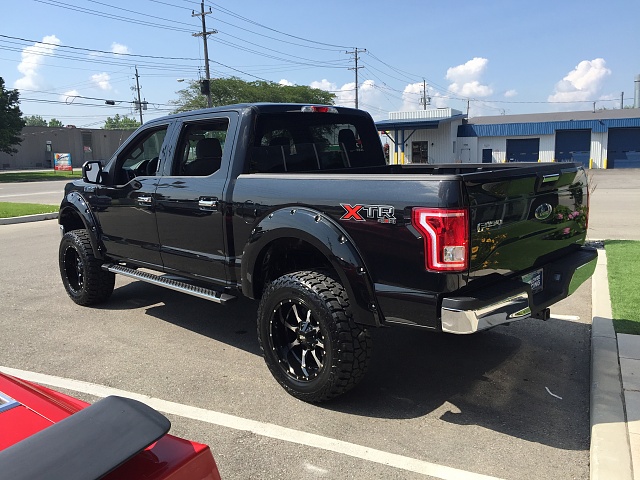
295,206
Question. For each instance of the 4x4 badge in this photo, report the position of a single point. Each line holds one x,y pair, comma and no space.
543,211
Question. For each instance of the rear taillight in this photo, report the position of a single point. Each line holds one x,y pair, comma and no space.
446,237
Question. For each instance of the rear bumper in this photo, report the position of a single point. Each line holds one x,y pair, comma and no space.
513,300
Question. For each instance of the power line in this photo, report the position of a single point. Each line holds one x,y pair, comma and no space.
248,20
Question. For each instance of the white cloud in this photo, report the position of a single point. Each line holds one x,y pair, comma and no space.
345,95
286,83
119,48
32,60
467,72
369,96
411,97
101,80
471,89
466,78
582,83
510,93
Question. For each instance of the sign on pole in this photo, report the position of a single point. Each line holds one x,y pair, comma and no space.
62,161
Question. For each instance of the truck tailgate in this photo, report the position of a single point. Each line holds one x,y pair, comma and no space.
527,218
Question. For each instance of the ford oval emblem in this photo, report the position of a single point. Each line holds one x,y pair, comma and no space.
543,211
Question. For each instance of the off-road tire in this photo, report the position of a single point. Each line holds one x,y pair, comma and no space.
82,275
308,338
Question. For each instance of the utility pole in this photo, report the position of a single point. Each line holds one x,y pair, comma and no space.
138,102
425,100
205,87
356,58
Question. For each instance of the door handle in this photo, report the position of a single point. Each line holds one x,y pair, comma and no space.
208,203
145,200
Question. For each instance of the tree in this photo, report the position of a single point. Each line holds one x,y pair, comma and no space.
54,122
120,123
11,121
226,91
35,121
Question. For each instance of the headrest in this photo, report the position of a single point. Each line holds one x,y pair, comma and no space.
208,147
347,137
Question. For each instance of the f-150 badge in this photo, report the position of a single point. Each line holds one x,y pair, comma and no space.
360,213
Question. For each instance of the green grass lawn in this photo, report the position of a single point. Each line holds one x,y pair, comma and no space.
6,177
8,209
623,266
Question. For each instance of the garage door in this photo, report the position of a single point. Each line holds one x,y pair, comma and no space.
623,149
573,146
523,150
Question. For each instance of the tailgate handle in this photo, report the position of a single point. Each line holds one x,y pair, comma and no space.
550,178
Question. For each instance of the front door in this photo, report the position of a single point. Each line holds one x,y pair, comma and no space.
125,205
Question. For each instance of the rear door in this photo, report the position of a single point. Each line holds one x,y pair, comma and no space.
530,216
190,199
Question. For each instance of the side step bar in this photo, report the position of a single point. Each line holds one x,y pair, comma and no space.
206,293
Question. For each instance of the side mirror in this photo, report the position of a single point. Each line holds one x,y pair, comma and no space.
92,172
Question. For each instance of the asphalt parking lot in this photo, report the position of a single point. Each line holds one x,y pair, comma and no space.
509,403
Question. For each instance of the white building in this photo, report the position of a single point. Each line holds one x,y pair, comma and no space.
601,139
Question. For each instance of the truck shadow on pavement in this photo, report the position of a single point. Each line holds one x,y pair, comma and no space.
508,379
234,324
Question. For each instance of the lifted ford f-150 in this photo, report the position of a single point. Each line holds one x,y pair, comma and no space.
296,207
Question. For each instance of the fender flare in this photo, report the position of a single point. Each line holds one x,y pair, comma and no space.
75,204
321,232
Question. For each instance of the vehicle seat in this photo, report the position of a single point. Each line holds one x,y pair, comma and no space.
152,166
347,141
208,158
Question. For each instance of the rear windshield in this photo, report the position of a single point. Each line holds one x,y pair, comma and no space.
313,142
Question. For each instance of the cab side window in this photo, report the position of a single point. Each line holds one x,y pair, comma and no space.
200,149
141,158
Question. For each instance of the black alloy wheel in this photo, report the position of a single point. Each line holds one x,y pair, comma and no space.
308,337
82,275
298,340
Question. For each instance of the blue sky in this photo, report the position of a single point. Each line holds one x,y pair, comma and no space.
497,57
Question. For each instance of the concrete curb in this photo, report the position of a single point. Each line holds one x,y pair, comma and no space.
28,218
610,448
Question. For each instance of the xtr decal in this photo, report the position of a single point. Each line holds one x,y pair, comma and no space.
382,213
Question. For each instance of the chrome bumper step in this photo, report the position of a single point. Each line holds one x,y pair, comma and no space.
170,283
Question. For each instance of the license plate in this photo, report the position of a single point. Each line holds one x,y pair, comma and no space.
534,279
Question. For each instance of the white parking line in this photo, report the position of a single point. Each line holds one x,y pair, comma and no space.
569,318
258,428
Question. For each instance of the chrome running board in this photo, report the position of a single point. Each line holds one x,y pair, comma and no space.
163,281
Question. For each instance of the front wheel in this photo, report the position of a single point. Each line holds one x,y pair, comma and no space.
81,272
310,342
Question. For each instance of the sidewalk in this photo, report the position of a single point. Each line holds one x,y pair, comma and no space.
615,390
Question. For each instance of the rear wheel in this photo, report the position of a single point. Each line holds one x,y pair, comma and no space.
81,272
310,343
